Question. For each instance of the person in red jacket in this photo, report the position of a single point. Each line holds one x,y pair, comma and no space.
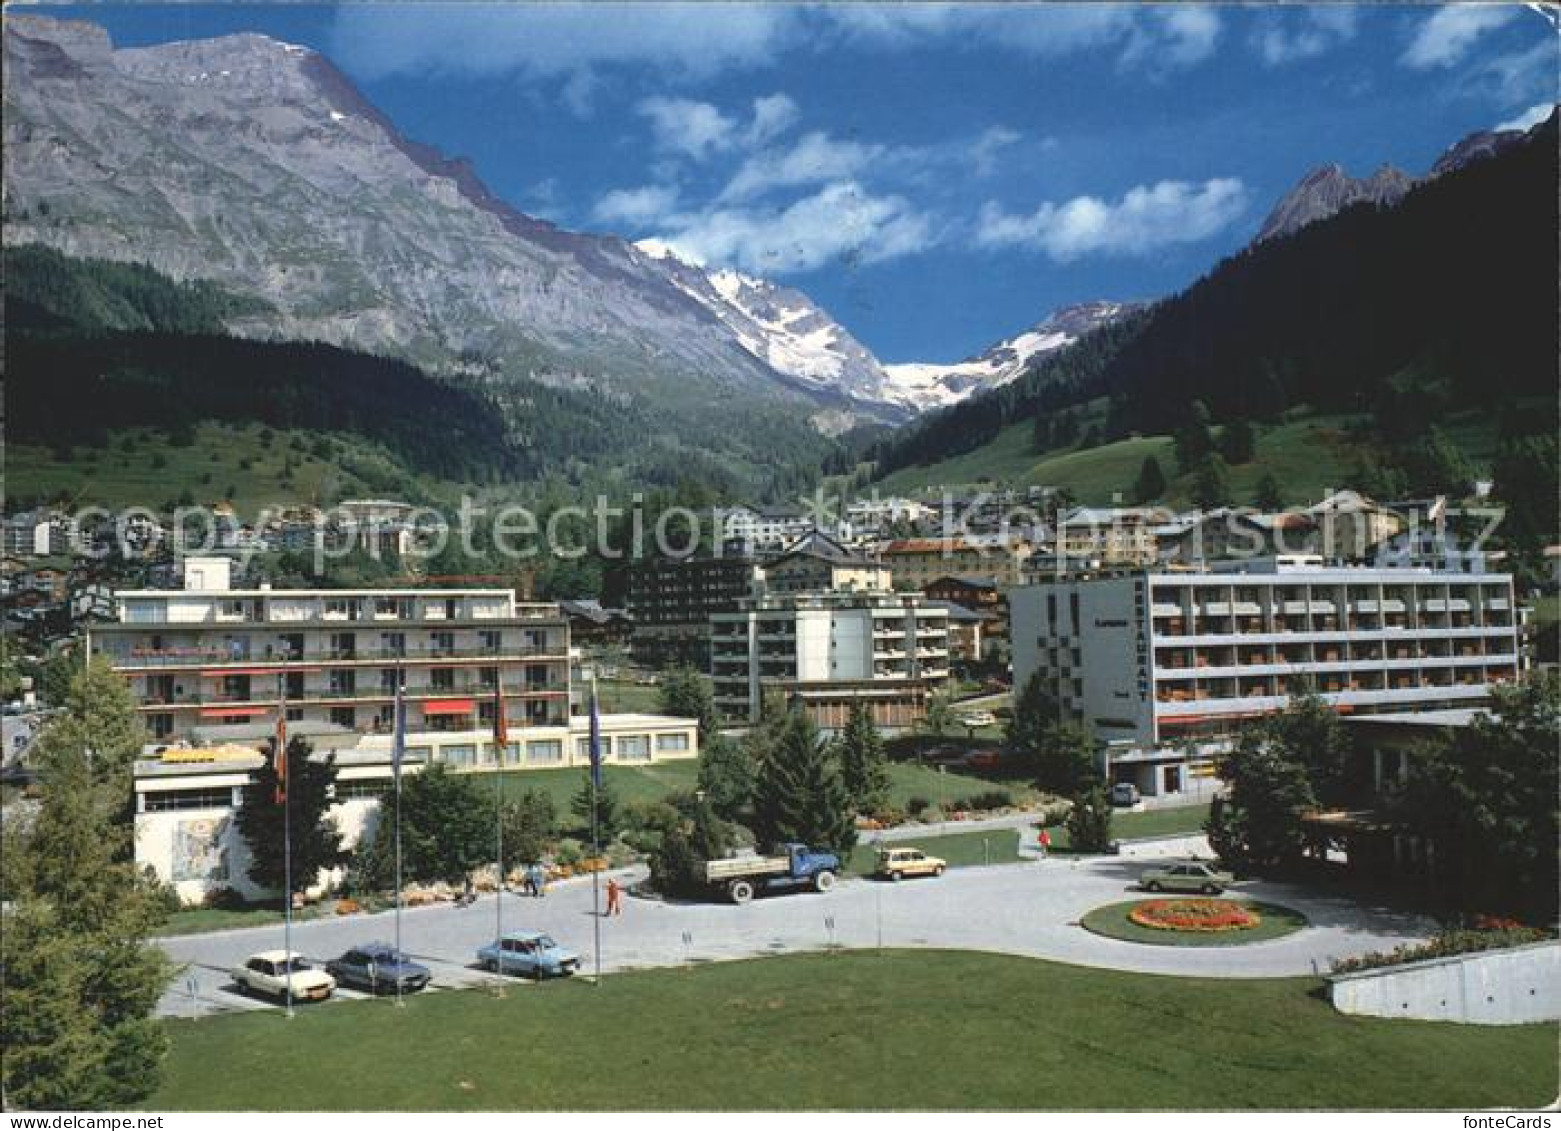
614,896
1046,843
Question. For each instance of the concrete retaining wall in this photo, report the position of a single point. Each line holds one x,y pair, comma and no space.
1495,987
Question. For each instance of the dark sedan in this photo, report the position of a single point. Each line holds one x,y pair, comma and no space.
379,968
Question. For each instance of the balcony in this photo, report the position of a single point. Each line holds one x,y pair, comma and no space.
310,695
217,657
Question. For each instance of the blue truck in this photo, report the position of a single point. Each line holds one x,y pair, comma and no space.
743,877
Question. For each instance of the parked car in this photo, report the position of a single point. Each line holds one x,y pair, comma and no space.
379,968
977,719
984,759
530,953
1190,876
271,971
1125,794
897,863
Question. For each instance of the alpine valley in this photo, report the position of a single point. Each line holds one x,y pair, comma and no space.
254,168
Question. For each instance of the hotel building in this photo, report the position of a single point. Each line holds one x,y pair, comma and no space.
1162,666
830,651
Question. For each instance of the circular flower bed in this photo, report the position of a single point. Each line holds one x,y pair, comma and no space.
1195,922
1209,915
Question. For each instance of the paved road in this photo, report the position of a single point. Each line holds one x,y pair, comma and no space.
1029,908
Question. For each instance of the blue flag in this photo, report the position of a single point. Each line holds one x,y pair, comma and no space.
398,736
596,741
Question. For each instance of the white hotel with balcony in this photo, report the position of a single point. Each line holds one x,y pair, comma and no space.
830,651
210,668
1163,666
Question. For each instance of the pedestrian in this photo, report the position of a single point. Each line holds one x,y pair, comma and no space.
1045,843
538,881
614,896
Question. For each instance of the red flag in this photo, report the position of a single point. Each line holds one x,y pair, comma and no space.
500,730
279,755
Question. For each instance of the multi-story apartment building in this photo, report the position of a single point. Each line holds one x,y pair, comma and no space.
200,657
671,599
1096,537
212,667
830,651
915,563
819,563
1157,663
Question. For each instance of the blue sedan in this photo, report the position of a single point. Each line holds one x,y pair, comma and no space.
379,968
530,953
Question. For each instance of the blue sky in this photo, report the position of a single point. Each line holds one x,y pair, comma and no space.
937,176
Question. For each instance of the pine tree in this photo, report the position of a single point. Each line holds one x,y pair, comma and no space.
727,776
686,694
1238,442
1193,440
1151,481
447,828
78,977
606,807
1035,713
101,720
801,797
1089,820
1268,497
863,765
1211,486
311,831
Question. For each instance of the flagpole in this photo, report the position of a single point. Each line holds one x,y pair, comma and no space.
500,742
287,847
397,751
596,844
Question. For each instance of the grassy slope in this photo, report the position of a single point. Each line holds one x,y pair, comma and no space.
112,477
855,1031
1149,823
1307,456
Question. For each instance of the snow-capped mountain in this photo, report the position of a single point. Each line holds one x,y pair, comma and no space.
935,385
786,331
793,335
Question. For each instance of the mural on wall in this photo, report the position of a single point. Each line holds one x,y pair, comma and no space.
198,849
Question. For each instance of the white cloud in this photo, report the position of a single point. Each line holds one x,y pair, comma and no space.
983,152
839,221
700,39
816,158
636,207
1446,36
1147,218
699,130
1530,118
1160,36
682,125
1289,35
773,115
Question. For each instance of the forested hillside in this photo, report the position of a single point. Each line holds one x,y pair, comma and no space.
1442,306
96,347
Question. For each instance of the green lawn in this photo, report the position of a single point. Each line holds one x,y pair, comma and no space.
903,1030
629,783
1149,823
909,779
961,850
1113,922
622,697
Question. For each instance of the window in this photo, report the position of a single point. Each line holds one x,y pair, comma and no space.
344,681
344,645
461,757
488,678
442,679
549,750
415,754
490,640
442,643
344,717
393,643
633,748
361,790
387,680
583,748
162,725
189,799
671,742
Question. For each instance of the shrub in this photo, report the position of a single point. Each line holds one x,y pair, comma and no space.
224,899
932,816
988,800
917,805
1449,942
569,852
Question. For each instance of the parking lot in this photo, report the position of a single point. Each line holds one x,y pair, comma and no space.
1029,908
